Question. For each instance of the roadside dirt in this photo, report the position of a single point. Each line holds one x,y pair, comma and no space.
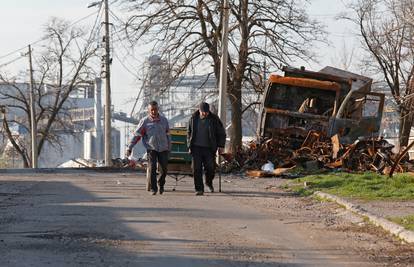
317,218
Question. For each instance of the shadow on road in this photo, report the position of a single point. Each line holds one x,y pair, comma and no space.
59,224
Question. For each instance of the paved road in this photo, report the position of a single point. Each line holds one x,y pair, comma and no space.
108,219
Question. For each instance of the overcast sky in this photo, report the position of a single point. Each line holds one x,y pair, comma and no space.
21,23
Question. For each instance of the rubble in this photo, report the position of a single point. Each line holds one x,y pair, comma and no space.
78,163
316,121
130,163
315,153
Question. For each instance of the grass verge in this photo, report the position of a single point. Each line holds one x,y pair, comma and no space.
369,186
407,221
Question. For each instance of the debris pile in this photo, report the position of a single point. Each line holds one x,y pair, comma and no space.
316,152
129,163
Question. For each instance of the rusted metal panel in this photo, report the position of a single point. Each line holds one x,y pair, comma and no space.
304,82
358,82
294,72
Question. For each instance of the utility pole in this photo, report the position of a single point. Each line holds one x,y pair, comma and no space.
33,129
223,74
223,64
108,127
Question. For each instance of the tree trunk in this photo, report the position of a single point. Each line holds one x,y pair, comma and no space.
236,121
406,114
9,135
406,122
26,163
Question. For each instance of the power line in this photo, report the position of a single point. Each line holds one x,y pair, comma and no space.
341,35
92,33
125,67
329,15
83,18
44,38
127,50
120,39
11,61
116,17
98,17
348,13
123,62
11,53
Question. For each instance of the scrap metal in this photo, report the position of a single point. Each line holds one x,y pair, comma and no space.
316,152
328,119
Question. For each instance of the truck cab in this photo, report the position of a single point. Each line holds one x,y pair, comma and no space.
331,101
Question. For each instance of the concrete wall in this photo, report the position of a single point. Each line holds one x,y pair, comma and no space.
72,147
75,145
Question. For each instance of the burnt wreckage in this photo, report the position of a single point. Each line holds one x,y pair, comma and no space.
325,119
331,101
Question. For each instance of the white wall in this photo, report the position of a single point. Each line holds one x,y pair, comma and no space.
72,147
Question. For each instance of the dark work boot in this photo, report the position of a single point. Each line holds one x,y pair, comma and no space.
210,187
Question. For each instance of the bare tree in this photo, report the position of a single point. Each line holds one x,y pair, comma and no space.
386,27
345,58
189,34
60,67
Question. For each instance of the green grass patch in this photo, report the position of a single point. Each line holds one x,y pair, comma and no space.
369,186
407,222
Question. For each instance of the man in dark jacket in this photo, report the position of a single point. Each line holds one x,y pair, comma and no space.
205,135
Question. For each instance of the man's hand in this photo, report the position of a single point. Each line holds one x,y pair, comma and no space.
221,150
128,152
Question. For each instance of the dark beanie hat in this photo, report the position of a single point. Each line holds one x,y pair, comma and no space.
204,107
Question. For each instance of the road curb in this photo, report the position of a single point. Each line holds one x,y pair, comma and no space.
68,170
395,229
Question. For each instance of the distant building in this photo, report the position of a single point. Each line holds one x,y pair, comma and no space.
179,97
83,139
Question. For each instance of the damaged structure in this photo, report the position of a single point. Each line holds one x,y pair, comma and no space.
313,120
330,101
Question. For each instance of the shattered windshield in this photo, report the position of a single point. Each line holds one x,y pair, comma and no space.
303,100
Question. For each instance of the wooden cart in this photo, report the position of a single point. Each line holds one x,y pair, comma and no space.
179,162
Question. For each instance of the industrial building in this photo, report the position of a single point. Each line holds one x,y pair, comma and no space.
83,139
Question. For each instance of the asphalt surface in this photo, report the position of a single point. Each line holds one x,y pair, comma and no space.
108,219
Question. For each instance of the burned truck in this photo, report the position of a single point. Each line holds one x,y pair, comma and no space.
331,101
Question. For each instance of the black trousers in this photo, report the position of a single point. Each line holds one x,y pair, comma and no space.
161,158
203,157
